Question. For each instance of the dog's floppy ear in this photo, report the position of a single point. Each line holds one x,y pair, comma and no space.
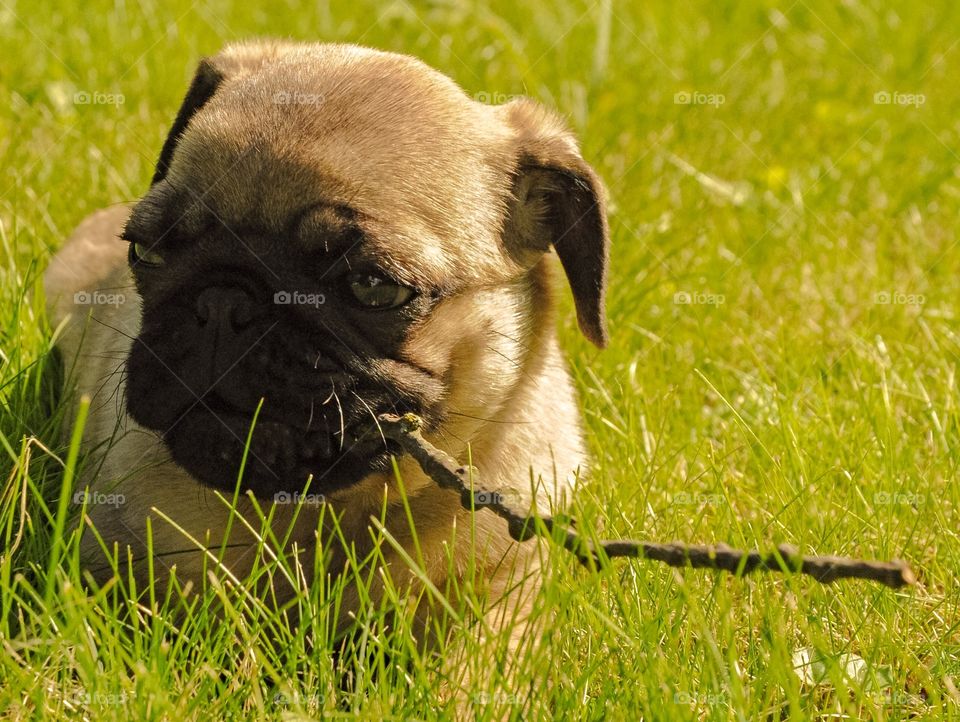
558,201
205,83
231,62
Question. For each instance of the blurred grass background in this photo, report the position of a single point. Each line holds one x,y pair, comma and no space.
785,185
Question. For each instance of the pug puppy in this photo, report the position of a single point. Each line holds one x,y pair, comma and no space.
331,233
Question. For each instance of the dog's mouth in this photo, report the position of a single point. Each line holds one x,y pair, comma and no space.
251,395
219,444
293,437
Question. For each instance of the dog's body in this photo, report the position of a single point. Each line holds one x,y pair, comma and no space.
279,153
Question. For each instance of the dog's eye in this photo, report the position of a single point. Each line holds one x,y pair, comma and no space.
375,291
139,253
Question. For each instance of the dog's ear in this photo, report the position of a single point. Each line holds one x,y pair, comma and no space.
233,61
205,83
558,201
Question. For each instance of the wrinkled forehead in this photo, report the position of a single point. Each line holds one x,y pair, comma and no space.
427,169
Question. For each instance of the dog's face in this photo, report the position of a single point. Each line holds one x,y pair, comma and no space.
339,233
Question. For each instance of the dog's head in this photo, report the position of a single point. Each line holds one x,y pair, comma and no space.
341,232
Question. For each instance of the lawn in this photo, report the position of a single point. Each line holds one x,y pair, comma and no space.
784,183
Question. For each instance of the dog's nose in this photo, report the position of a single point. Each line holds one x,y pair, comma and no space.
226,308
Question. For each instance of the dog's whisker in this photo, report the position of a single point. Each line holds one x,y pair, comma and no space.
522,344
448,434
343,428
370,411
330,396
114,328
488,420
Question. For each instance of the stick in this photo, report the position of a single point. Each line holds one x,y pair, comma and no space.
446,472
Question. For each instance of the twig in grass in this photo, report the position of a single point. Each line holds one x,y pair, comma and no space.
446,472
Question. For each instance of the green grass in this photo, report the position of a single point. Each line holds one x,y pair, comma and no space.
801,409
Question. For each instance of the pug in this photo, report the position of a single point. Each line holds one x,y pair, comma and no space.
331,233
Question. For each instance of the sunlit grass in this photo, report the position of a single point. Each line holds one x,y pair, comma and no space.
784,285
